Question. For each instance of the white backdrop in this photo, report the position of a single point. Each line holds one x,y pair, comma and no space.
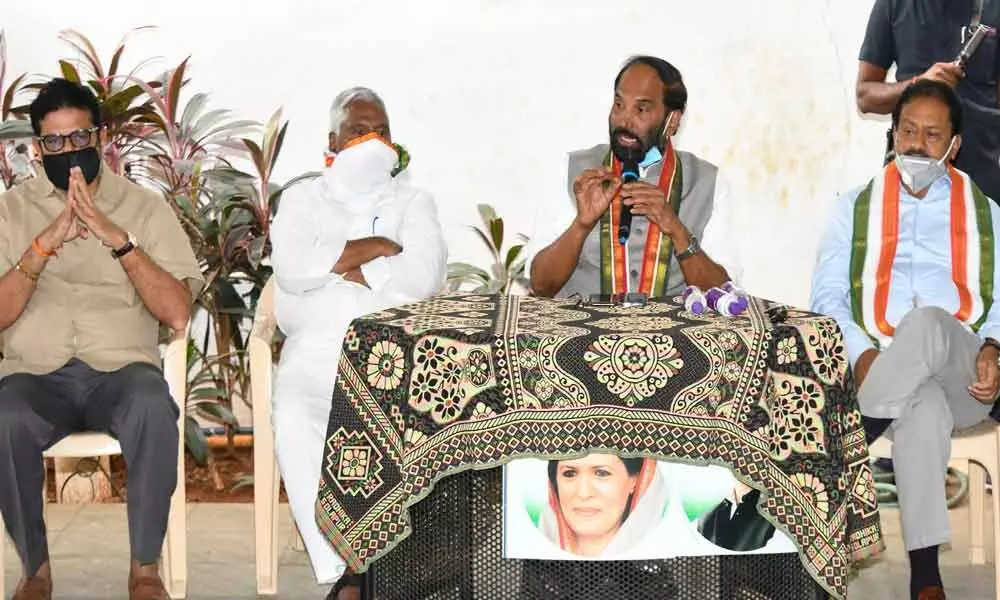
489,95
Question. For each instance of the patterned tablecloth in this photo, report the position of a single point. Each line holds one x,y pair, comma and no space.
468,381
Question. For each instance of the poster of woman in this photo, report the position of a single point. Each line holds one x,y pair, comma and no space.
600,505
605,507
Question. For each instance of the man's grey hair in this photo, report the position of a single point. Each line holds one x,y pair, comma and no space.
343,101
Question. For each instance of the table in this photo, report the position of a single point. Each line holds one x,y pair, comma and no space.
455,553
465,381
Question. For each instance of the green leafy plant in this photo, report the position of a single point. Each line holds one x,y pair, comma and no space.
123,104
187,150
507,267
10,128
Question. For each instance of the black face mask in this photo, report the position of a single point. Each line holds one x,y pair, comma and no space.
57,166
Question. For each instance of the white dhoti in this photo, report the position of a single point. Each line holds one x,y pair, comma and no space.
300,414
314,310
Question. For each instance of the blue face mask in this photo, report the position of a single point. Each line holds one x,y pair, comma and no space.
652,157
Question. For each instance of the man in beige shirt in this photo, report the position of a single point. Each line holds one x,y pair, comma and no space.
91,265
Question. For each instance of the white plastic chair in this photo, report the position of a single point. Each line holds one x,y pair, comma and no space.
265,461
980,445
81,445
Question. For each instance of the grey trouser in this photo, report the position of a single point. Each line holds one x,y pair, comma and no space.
132,404
921,381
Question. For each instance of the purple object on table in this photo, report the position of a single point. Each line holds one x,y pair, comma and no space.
694,300
729,303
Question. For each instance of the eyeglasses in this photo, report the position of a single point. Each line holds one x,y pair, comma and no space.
55,142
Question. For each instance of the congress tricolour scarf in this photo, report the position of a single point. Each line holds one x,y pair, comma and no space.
873,251
658,247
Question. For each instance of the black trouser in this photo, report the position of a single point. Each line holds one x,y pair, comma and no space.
132,404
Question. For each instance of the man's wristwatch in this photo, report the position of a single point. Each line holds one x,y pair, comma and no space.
692,249
129,246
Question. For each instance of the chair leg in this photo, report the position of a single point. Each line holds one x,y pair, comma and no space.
298,544
993,470
265,503
977,513
174,557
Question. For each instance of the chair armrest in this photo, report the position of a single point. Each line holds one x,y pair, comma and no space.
175,367
265,325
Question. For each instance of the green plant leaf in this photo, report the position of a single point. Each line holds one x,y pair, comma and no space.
8,96
195,440
69,71
242,482
121,101
217,412
276,149
15,130
174,90
486,213
496,234
486,239
460,270
84,47
255,251
255,154
512,255
210,393
194,107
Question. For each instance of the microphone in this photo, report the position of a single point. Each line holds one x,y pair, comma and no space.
976,37
630,173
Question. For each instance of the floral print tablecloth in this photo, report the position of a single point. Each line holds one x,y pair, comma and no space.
470,381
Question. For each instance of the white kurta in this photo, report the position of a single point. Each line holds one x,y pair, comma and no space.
315,307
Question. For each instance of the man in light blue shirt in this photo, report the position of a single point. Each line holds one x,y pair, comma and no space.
908,269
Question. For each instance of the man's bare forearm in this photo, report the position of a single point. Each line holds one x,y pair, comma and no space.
359,252
879,97
167,298
16,288
699,269
553,266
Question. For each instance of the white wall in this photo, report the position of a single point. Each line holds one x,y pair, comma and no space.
490,95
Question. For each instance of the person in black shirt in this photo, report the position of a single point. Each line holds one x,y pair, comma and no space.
923,38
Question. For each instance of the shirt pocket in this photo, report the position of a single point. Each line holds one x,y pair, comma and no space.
386,225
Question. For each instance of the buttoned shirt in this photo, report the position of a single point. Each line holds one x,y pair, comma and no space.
921,272
85,306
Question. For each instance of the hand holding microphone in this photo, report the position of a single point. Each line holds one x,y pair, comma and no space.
630,173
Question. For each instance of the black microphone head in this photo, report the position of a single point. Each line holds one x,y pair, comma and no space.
629,158
630,171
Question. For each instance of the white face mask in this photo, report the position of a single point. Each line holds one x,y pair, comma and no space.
362,169
918,172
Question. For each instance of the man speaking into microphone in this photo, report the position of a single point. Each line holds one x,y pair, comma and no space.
638,216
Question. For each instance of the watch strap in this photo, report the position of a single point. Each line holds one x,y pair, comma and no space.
128,247
692,249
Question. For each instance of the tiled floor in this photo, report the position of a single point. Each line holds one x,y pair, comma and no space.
89,548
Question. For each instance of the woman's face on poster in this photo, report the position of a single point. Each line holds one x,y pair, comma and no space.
593,492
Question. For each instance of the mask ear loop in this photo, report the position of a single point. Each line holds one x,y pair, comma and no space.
947,153
666,126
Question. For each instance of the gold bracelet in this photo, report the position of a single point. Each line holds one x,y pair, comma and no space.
33,277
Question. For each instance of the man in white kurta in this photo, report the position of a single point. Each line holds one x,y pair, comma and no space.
353,241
